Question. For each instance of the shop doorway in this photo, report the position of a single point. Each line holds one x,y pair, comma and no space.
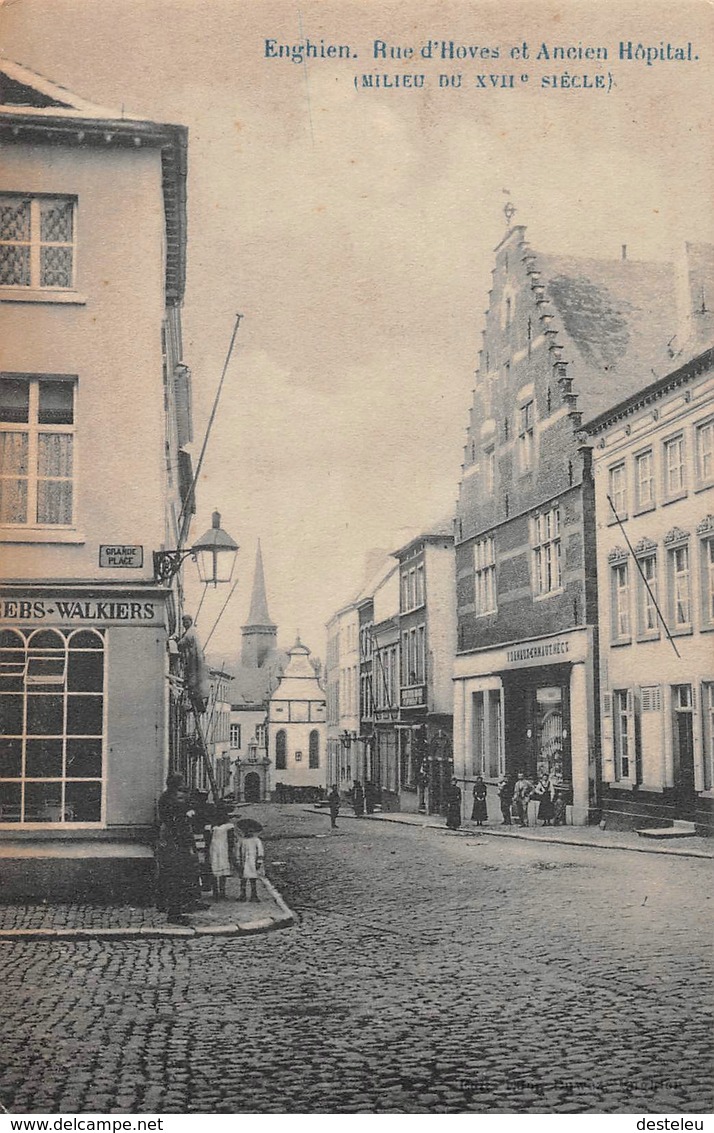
251,787
683,745
537,723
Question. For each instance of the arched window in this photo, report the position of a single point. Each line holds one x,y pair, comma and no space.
281,750
314,750
51,727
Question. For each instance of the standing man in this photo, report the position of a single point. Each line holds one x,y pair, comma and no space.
505,797
521,796
453,819
334,801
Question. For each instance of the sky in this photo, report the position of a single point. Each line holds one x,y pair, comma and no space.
354,229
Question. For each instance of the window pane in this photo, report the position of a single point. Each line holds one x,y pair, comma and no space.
84,802
11,639
84,715
54,501
47,639
84,759
14,404
56,221
13,454
11,715
14,266
55,267
10,799
14,219
43,759
86,672
54,454
44,715
47,669
10,758
56,405
13,501
43,802
86,639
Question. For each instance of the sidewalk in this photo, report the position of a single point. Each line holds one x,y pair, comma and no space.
589,836
115,922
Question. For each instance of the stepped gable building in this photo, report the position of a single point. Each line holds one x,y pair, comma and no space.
94,417
564,338
297,726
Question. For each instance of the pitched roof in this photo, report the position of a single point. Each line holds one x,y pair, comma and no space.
22,89
619,315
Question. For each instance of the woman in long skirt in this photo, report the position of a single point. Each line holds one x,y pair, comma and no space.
176,857
479,814
545,792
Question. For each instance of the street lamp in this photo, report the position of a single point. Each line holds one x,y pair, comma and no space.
347,739
214,553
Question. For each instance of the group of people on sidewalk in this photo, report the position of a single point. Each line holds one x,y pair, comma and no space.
179,874
364,800
514,797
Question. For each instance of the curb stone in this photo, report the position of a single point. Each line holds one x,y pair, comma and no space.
148,932
674,852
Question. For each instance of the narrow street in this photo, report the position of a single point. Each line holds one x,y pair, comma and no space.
430,972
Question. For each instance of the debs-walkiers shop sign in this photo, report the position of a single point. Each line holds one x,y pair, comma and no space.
56,609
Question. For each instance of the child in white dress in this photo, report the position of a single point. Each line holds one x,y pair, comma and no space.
222,851
250,857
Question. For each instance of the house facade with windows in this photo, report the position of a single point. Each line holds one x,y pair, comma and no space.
342,695
379,701
563,338
654,482
297,726
94,416
427,643
248,750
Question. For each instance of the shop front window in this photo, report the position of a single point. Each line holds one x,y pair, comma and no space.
51,726
549,732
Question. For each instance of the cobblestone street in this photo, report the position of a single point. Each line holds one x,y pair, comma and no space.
430,972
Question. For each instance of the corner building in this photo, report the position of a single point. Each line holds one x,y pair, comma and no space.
654,482
94,414
561,336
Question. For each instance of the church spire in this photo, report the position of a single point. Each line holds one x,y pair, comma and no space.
259,615
259,634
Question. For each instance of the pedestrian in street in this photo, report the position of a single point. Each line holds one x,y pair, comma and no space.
221,851
250,864
453,818
333,800
178,891
505,798
545,793
370,796
358,800
479,812
521,797
560,813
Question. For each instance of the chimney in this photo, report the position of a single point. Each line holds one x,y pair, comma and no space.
624,252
